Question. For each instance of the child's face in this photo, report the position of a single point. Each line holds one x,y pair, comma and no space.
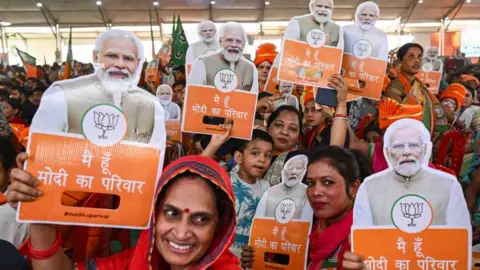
255,159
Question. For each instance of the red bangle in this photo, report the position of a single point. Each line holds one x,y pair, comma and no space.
341,115
45,254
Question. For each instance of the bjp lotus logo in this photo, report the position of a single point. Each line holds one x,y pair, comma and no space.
104,125
105,122
225,80
412,211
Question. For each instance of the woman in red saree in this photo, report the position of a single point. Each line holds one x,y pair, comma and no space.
192,226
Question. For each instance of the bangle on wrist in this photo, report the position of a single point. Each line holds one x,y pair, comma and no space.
45,254
341,115
340,118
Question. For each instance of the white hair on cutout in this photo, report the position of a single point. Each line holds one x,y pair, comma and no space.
117,33
202,24
164,86
231,25
408,123
313,2
430,48
364,5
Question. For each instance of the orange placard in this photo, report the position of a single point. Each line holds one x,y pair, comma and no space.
70,163
433,248
303,64
272,82
431,80
208,104
271,237
174,132
364,76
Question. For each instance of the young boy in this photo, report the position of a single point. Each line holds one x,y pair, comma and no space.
253,158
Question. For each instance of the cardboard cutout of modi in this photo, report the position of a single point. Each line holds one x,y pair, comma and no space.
411,205
208,43
291,189
366,54
89,131
164,95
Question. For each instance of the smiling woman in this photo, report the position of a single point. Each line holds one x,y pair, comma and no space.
192,226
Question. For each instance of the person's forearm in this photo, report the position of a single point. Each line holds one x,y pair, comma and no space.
339,127
42,237
210,150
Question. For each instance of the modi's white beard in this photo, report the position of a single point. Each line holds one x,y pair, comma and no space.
230,57
321,18
408,169
431,58
366,26
208,39
115,86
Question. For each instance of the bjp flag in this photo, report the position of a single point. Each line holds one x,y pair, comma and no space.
29,63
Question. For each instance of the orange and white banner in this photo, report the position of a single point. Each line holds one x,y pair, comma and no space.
433,248
272,83
431,79
364,76
206,107
70,162
274,241
301,63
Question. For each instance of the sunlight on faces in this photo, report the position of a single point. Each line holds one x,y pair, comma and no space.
118,64
294,170
255,158
285,131
164,94
233,44
263,70
449,104
326,191
286,88
406,151
184,238
322,10
367,18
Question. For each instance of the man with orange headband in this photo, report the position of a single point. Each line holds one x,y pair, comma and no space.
264,58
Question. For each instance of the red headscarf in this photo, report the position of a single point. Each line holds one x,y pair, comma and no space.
265,52
145,255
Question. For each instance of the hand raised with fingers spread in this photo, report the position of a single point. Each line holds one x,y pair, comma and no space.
23,185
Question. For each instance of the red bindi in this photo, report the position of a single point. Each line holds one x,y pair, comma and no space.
187,210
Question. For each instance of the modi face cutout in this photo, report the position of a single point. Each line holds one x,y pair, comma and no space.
117,56
207,31
164,94
294,170
406,143
232,39
366,15
321,10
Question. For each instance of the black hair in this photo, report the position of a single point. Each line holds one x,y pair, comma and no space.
364,164
221,199
4,95
256,135
275,114
180,69
179,82
32,79
8,153
470,89
15,103
197,138
341,159
264,94
404,49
